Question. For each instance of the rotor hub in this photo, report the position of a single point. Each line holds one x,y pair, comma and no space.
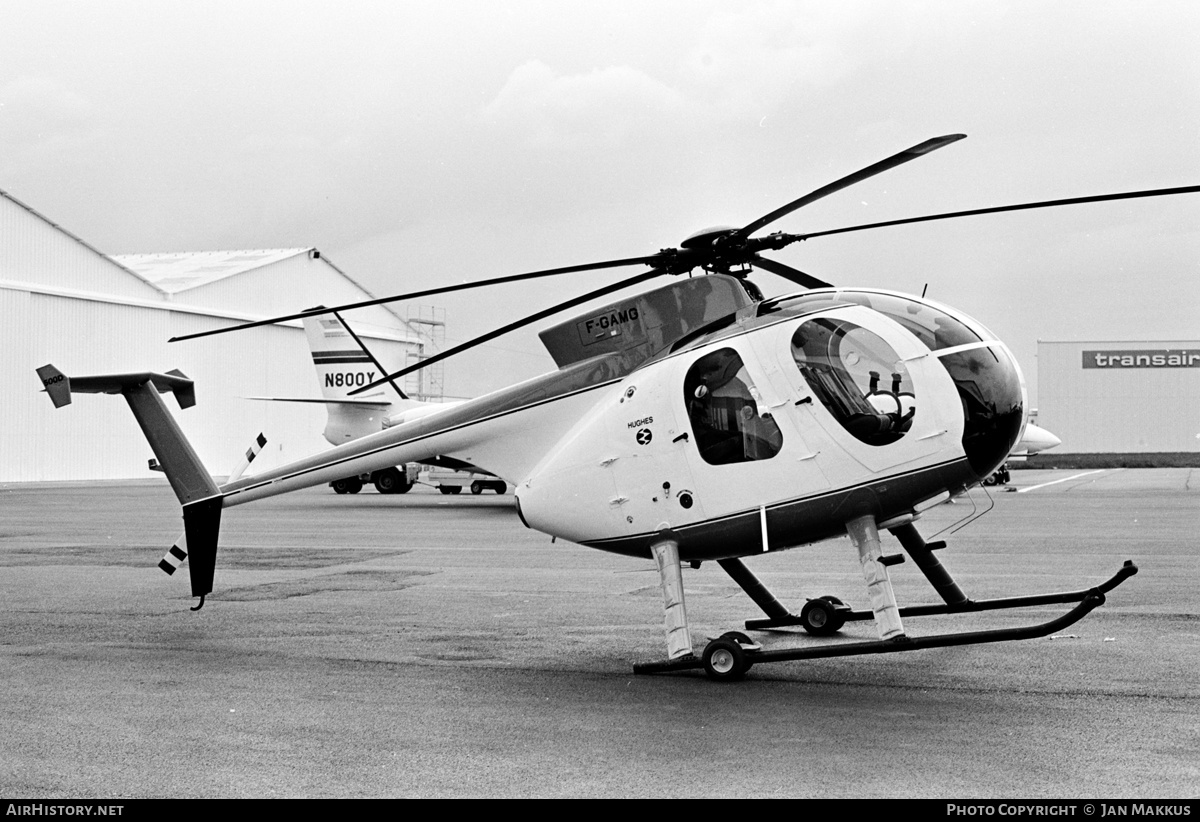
706,237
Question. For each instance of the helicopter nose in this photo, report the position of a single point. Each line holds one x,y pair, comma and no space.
993,401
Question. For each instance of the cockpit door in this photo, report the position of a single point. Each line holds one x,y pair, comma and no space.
743,455
866,387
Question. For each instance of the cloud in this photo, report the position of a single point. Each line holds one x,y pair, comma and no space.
749,60
744,61
603,108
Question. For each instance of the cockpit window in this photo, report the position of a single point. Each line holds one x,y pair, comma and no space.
993,403
857,377
935,328
728,418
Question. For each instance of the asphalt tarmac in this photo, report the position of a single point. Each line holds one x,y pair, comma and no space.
430,646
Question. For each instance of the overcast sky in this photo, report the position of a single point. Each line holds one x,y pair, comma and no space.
428,143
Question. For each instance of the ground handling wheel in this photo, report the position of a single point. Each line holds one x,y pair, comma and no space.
724,660
477,488
742,639
823,616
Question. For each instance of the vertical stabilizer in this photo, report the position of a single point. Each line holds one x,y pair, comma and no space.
342,361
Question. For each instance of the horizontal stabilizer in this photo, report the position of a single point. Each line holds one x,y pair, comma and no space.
188,477
60,387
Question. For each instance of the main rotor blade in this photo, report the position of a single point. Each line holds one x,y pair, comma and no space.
1098,198
315,312
788,273
850,179
513,326
358,341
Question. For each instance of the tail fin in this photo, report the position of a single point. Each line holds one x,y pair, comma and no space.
343,361
193,486
343,364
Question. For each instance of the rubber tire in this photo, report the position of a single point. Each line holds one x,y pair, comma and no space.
349,485
499,487
455,489
724,660
445,489
840,619
390,482
476,488
743,640
820,618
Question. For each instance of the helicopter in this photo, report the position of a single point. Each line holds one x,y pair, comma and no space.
701,421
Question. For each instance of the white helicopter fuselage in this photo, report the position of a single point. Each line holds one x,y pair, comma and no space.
635,467
766,455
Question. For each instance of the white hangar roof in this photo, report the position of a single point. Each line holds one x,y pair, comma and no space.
172,273
258,283
40,256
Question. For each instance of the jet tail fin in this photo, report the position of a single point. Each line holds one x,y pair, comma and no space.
193,486
342,359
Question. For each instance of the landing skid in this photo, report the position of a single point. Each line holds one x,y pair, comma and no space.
965,607
728,657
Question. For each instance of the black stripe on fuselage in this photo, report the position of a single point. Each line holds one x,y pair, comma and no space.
802,520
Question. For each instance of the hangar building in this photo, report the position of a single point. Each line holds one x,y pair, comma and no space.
1120,397
64,302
